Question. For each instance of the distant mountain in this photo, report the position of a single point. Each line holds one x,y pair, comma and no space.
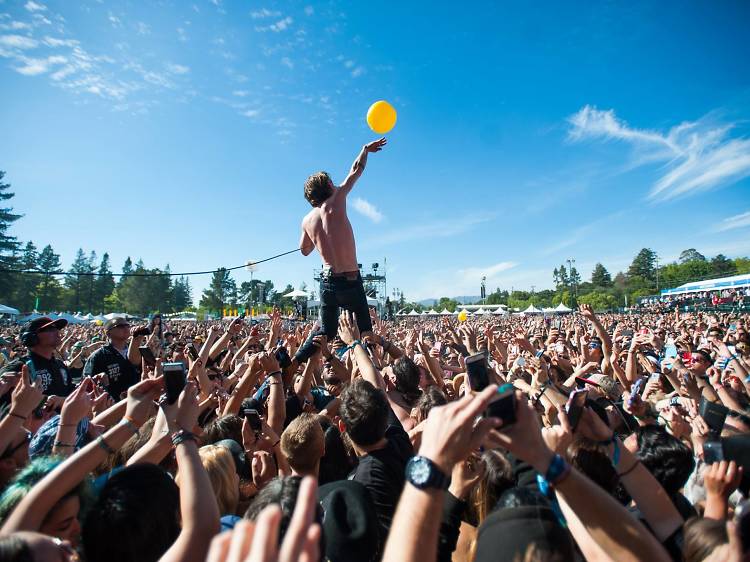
462,300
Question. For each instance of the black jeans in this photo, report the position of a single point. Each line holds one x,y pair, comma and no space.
337,292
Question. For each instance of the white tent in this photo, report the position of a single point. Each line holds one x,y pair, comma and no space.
425,313
296,293
433,312
480,311
446,312
413,313
9,310
562,308
499,312
548,310
532,310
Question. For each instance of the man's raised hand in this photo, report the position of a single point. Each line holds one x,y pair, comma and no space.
376,146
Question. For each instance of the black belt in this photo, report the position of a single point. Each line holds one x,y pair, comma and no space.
348,275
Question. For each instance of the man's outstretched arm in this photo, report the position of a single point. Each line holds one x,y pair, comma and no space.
359,166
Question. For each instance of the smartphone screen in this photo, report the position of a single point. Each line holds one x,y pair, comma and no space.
477,373
253,418
174,381
575,405
503,406
148,355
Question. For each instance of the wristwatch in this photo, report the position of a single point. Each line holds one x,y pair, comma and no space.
424,474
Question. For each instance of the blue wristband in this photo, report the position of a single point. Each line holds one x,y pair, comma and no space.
558,469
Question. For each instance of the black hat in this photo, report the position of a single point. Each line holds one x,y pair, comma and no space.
36,326
350,525
238,454
115,322
508,532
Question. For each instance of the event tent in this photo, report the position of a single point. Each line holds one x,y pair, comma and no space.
480,311
561,308
9,310
499,312
532,310
296,294
446,312
413,313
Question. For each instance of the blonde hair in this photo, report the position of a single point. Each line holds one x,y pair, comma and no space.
219,464
302,443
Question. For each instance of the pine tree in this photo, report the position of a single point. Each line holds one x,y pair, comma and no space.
9,258
104,284
600,277
49,291
216,295
26,288
77,282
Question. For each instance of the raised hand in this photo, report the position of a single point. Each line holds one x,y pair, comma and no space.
348,331
25,396
78,404
376,146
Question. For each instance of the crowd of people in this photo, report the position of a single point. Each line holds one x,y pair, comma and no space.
627,438
735,297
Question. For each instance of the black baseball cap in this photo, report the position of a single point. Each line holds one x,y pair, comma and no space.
43,323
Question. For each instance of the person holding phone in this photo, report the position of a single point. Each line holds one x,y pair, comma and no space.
327,228
42,337
116,360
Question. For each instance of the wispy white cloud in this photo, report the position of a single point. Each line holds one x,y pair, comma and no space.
18,42
32,6
240,93
177,68
475,274
309,10
277,27
359,71
251,113
286,61
114,20
57,42
367,209
698,155
264,13
15,26
440,228
142,28
35,66
730,223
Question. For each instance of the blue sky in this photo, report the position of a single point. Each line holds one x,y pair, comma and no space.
181,132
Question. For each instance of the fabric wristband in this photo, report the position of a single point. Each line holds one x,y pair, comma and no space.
557,471
103,444
130,424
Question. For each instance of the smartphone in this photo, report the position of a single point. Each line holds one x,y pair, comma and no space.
560,347
192,352
477,372
253,418
627,333
32,370
655,377
503,406
742,519
714,414
521,361
282,356
713,451
148,355
575,405
174,380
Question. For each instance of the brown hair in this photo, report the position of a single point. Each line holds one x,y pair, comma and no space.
318,188
701,537
302,443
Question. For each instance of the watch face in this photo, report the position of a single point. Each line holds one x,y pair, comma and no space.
420,471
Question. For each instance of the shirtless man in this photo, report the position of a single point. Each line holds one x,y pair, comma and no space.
328,229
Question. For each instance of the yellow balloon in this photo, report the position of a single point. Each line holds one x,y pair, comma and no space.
381,117
462,316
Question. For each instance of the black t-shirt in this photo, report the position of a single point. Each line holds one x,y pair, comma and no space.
53,373
382,472
121,372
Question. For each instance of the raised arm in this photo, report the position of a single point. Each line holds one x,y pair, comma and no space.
359,166
349,334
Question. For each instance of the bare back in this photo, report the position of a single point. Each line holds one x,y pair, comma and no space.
331,232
